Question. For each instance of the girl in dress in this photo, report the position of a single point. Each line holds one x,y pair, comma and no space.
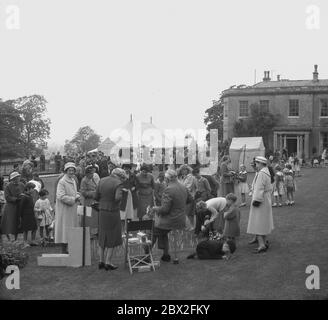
297,166
290,186
44,212
243,186
278,187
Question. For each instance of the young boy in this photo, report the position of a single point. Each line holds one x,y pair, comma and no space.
231,218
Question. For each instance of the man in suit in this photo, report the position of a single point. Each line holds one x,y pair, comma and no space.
171,215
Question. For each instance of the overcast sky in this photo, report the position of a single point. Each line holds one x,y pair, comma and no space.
98,61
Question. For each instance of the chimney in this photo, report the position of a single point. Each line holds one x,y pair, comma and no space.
131,117
151,120
315,73
278,77
266,76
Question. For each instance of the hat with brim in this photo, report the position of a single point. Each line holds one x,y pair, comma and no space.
89,168
69,165
13,175
120,173
261,159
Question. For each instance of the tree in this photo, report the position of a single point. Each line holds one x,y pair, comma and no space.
259,124
86,139
10,128
214,119
36,127
70,149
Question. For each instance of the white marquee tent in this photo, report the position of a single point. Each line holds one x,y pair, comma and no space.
244,149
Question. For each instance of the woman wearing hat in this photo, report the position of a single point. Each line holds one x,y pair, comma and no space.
129,203
109,195
88,191
13,192
145,189
66,205
227,184
260,222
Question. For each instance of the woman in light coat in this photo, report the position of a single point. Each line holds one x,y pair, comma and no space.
260,222
190,182
66,205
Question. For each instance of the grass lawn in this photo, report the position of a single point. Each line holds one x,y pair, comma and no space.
299,239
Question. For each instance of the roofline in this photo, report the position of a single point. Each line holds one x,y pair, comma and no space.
253,91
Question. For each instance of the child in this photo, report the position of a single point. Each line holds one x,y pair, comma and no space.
243,186
278,190
297,166
290,186
26,214
291,160
231,218
43,211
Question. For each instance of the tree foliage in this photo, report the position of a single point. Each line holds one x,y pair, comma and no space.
214,118
259,124
85,139
11,125
36,126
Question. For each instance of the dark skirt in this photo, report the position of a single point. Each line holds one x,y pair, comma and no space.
9,221
227,188
110,229
28,223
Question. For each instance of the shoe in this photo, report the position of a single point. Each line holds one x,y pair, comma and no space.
274,205
253,241
287,203
33,244
280,205
110,267
101,265
191,256
292,203
243,204
166,258
267,244
260,250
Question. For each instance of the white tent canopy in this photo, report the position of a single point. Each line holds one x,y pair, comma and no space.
244,149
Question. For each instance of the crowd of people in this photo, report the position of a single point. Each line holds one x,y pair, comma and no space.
182,198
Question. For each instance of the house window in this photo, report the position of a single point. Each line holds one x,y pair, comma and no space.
243,108
324,140
293,108
324,108
264,105
225,111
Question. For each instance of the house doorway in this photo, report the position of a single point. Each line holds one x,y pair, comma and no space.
291,145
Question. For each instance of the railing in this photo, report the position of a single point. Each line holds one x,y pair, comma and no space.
6,166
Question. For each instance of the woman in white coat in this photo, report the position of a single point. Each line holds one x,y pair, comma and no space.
260,222
66,205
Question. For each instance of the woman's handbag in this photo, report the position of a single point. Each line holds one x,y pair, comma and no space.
95,206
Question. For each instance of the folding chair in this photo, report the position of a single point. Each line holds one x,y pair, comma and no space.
143,258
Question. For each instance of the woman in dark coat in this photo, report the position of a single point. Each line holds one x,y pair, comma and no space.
13,191
26,213
109,195
145,188
227,185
